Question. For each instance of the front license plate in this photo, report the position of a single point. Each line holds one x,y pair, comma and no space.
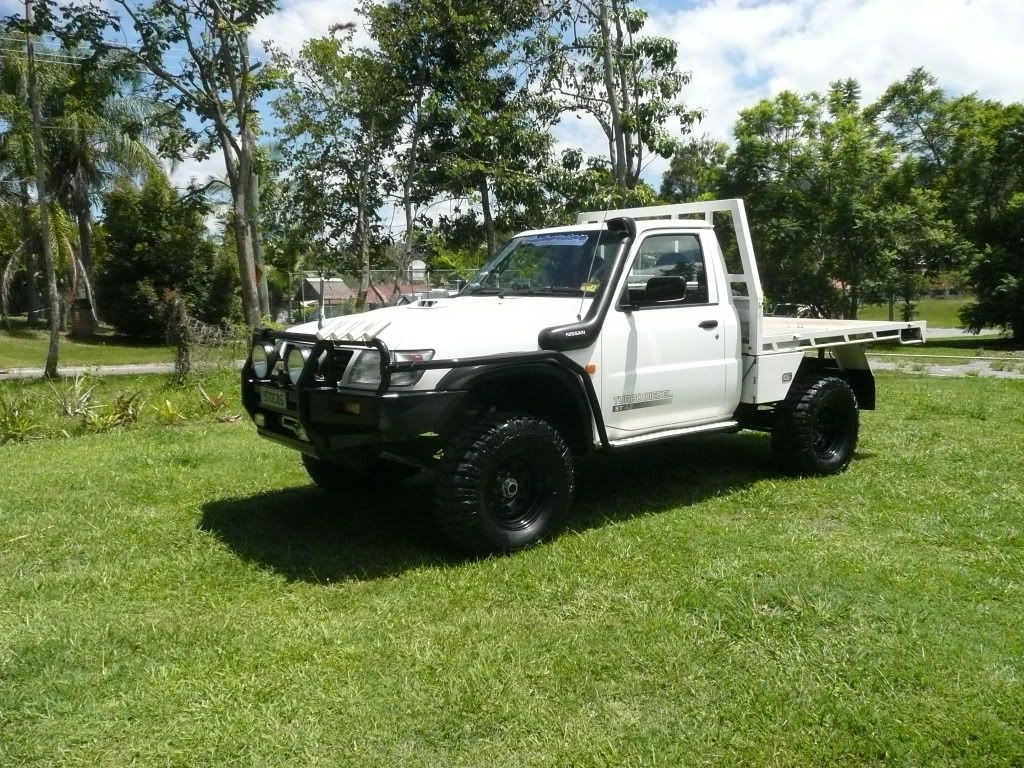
275,398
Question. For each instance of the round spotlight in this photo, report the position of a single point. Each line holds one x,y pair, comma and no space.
261,360
294,362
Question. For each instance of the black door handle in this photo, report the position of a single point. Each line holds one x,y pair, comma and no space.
708,324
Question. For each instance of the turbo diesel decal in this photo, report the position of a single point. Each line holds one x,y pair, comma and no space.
641,400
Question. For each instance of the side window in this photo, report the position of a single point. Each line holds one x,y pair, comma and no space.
669,256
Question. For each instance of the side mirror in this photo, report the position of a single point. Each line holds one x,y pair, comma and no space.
667,288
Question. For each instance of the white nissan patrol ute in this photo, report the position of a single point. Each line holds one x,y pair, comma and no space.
622,330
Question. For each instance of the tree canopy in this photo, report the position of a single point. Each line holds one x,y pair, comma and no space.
426,129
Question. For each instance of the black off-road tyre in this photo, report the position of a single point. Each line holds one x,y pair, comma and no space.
348,476
816,426
506,481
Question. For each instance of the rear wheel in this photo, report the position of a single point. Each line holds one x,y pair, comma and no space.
506,481
816,426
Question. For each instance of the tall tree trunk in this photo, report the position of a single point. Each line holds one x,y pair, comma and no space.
485,205
363,220
253,181
44,204
622,65
74,270
238,156
83,213
364,245
412,168
238,177
246,262
80,200
619,161
262,291
6,278
29,257
407,249
364,258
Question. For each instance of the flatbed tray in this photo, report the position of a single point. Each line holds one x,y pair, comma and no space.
788,334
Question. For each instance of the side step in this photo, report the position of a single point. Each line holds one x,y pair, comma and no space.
669,434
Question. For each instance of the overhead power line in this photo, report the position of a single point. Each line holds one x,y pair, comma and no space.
56,42
68,61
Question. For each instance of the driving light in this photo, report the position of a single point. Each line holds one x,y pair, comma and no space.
295,361
261,359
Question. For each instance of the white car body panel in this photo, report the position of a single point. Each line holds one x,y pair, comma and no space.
656,368
467,326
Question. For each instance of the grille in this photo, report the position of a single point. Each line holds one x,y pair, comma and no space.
334,364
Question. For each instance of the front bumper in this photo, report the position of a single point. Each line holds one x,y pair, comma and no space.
320,418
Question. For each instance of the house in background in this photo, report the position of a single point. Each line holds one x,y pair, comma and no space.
387,288
339,299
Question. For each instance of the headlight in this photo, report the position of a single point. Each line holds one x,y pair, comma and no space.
295,361
410,356
365,372
261,359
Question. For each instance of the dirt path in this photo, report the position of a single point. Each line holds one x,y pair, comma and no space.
88,370
966,367
70,371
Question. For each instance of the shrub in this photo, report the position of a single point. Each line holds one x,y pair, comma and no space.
15,422
151,244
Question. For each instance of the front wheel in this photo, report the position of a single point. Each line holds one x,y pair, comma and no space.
816,426
506,481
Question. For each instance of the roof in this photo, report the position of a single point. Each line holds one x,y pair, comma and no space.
389,290
335,289
642,226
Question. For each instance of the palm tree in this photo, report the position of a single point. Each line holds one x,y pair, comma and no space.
104,132
17,166
21,239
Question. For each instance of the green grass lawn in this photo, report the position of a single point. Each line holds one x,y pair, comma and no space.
182,596
25,347
33,409
941,313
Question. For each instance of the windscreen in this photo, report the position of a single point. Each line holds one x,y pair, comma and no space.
558,264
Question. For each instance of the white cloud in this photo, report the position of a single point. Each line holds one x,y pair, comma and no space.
301,20
740,52
199,171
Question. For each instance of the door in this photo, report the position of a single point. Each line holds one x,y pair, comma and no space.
663,345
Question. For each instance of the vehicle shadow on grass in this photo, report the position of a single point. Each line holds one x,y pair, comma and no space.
309,535
652,479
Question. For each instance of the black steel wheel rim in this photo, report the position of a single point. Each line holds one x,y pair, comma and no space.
516,494
829,432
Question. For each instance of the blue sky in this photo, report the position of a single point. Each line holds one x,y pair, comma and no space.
740,51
